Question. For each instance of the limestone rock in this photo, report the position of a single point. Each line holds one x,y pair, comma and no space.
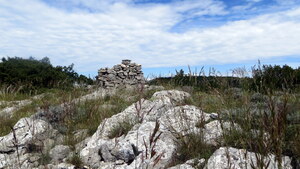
135,146
81,145
58,153
29,160
16,105
183,119
213,131
224,158
182,166
105,154
26,130
24,141
173,96
190,164
61,166
110,165
125,151
147,151
142,110
152,87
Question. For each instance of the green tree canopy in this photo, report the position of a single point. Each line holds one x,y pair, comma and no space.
35,74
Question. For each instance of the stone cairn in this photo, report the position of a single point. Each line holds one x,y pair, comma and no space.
128,74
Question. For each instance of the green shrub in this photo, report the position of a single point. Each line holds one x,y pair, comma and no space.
76,160
37,75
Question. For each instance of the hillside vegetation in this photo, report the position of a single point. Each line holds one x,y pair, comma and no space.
185,121
30,75
265,78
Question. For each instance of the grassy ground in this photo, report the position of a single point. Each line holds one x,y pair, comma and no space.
89,114
269,122
51,97
84,114
269,119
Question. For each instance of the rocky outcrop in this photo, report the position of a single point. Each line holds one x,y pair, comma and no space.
23,147
183,119
213,131
125,74
157,125
190,164
13,106
137,148
54,115
224,158
159,119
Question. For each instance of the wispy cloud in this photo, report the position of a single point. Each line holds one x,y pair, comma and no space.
94,33
287,2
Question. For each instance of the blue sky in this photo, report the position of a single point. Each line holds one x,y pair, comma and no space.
162,35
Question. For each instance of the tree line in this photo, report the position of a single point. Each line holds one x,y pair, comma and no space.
265,78
33,74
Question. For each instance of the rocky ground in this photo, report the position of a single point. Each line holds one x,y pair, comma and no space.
144,135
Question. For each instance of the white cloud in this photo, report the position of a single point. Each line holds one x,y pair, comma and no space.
287,2
196,7
141,33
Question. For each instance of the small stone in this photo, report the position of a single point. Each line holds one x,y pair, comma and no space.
34,158
105,154
59,152
120,162
102,70
126,61
213,115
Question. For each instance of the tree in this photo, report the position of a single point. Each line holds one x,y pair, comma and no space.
35,74
45,60
275,77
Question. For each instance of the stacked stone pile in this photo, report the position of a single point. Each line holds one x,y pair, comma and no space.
127,74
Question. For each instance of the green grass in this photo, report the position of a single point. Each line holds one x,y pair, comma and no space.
83,114
51,98
192,146
6,124
208,102
44,159
89,114
8,93
76,160
121,129
273,128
